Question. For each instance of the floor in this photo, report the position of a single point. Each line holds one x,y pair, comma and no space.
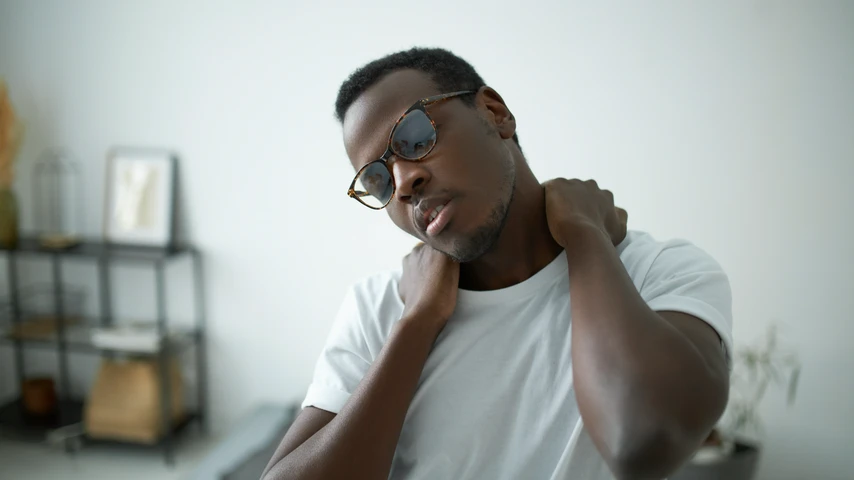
31,461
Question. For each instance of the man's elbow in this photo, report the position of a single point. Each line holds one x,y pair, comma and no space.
654,454
654,444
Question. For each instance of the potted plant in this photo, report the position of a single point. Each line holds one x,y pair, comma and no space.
732,449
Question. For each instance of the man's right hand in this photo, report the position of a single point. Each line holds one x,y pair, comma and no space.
359,442
428,286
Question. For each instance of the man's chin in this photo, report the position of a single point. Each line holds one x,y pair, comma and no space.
450,247
442,247
470,247
469,250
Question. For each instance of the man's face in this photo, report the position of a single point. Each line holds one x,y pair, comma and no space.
470,172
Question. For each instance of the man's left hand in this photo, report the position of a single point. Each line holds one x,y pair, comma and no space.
574,203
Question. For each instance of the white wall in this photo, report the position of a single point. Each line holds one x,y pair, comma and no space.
728,123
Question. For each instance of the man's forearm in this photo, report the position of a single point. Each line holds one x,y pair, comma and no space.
643,389
359,443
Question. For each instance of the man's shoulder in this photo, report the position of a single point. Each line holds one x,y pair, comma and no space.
376,283
640,250
639,240
377,291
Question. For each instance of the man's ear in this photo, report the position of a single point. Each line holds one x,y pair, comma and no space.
497,112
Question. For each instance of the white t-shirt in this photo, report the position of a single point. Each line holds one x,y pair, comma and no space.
496,399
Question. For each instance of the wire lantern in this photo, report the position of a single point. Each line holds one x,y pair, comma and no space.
57,199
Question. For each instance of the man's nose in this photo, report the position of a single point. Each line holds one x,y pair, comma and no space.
409,177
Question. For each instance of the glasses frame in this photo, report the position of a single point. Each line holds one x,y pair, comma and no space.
419,105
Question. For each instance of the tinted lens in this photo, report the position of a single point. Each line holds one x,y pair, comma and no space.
374,185
414,136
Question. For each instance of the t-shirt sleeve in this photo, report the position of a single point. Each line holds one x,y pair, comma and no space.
684,278
345,358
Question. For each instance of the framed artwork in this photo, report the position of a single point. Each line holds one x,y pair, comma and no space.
139,207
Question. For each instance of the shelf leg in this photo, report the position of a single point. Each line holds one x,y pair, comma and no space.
201,344
105,292
165,370
62,350
12,275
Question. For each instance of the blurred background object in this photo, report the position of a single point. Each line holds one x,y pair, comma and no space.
11,135
37,317
57,199
38,396
139,204
124,403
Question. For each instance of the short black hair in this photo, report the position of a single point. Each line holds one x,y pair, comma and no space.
449,72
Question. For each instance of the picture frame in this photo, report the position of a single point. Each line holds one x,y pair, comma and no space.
140,192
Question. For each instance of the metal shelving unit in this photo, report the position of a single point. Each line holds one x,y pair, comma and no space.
78,338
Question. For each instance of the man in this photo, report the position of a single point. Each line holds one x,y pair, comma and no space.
530,336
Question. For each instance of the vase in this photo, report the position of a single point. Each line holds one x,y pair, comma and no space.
739,464
38,396
8,218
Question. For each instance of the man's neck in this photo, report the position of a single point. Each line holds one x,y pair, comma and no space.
525,246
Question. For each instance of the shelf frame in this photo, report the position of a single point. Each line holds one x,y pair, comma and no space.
104,255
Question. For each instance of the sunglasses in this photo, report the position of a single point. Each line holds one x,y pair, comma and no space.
412,138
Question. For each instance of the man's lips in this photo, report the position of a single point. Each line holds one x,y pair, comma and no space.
431,215
440,217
